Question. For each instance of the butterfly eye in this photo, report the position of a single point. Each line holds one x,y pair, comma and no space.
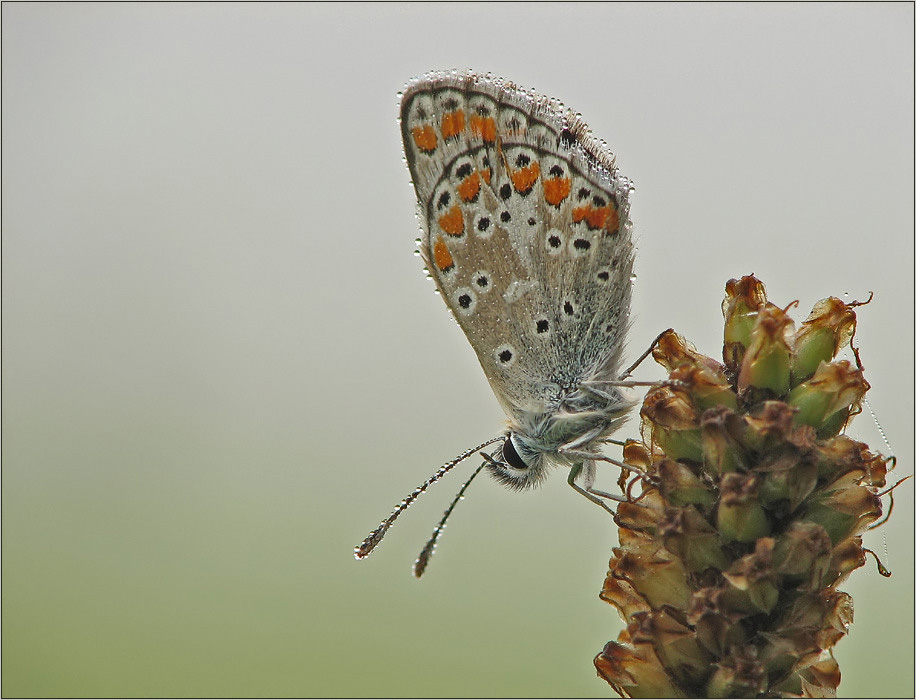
511,455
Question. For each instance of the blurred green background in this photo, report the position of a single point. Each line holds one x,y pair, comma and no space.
222,365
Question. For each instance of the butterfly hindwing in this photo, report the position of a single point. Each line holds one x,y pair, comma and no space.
525,232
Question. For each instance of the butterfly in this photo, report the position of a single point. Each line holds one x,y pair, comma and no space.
526,233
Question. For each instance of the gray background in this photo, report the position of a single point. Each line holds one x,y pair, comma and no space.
222,365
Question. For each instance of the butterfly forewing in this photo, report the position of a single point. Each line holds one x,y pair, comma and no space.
526,233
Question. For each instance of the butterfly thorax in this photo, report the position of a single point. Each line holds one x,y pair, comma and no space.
561,438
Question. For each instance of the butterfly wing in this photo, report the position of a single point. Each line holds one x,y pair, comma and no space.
525,232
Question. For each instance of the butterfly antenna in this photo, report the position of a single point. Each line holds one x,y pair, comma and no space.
419,566
363,550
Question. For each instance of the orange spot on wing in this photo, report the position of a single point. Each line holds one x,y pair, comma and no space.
613,222
425,138
452,123
597,217
556,190
469,187
441,256
485,127
485,174
452,221
524,178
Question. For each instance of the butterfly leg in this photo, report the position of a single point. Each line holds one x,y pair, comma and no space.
592,495
593,386
632,368
595,456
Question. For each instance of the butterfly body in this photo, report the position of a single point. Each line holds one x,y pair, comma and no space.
526,233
